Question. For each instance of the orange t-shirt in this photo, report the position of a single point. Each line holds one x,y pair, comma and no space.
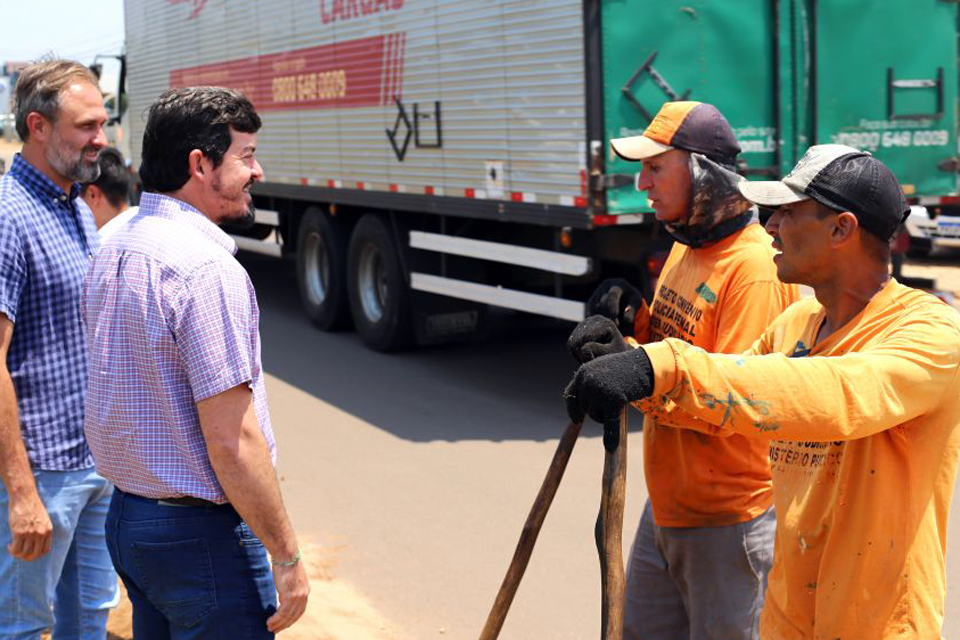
721,298
864,437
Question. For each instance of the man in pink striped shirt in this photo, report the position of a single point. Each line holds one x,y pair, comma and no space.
176,412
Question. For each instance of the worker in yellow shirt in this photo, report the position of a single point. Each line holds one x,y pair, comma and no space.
706,534
857,393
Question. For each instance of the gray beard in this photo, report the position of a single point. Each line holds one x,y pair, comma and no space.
69,165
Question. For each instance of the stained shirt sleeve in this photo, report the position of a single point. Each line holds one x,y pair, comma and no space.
13,267
667,412
816,398
214,318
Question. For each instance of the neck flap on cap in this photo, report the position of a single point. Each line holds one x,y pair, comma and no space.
717,208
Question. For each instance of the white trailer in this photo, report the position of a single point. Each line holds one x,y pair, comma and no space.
422,158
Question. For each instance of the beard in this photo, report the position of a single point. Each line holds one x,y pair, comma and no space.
243,216
248,218
69,162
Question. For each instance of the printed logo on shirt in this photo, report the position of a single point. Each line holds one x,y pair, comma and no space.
673,316
805,456
800,350
706,293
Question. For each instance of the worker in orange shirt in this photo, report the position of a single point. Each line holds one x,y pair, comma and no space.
704,545
855,393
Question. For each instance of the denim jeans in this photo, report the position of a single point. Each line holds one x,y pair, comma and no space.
192,572
72,588
698,583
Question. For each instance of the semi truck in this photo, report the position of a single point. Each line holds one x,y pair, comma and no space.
428,159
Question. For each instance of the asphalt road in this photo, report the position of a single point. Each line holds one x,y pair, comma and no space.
416,471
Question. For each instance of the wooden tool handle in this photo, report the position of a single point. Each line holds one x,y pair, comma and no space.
609,536
531,529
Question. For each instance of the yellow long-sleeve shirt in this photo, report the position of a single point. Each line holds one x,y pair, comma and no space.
864,433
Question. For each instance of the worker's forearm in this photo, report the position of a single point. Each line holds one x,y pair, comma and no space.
841,397
14,465
247,476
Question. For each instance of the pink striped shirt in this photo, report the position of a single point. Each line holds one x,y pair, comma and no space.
171,318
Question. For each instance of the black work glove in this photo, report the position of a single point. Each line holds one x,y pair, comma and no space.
618,300
602,387
594,337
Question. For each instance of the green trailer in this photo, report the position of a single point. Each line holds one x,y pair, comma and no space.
879,76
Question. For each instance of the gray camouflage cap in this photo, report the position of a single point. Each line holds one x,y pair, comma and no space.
843,179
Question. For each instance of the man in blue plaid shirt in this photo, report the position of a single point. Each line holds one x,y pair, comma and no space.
55,571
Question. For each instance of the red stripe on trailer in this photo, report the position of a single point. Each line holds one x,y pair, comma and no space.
470,193
934,200
304,181
394,188
428,190
604,221
583,182
399,71
354,73
580,202
385,98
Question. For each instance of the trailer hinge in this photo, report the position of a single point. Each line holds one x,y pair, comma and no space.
600,182
951,165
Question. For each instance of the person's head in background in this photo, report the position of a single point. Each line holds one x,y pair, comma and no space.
109,195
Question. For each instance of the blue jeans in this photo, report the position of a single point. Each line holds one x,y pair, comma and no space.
698,583
192,572
72,588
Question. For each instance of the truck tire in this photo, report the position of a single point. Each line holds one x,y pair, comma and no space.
377,286
321,270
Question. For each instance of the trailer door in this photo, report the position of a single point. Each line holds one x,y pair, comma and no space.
660,50
886,81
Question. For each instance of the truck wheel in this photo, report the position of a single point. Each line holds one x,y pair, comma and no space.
379,298
321,270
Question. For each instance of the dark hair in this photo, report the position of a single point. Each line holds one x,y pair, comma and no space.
114,180
185,119
39,86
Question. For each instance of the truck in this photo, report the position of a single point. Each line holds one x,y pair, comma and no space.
426,160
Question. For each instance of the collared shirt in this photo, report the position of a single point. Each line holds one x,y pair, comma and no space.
171,319
46,239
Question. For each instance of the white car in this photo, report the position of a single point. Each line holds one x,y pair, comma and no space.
933,226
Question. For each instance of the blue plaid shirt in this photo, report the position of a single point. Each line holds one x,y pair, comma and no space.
47,238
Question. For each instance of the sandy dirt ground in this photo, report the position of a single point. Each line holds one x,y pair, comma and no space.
335,611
